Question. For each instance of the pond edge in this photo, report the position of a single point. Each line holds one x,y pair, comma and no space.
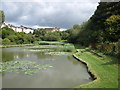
94,76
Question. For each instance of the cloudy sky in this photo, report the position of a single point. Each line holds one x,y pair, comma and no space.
48,13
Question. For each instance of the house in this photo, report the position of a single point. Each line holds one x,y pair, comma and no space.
52,29
19,28
3,25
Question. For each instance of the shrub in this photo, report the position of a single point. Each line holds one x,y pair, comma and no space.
68,47
6,41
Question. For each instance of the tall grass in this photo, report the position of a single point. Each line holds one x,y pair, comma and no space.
50,43
68,47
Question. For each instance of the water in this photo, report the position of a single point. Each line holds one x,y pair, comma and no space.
67,72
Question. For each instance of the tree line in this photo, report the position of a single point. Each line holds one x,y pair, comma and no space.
102,28
9,36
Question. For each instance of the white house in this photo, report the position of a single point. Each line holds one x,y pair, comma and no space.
19,29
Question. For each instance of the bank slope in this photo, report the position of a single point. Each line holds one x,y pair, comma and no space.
106,74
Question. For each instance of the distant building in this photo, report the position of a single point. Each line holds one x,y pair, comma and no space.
52,29
19,29
3,25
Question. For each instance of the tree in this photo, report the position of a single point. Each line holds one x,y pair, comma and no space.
52,36
39,32
64,35
12,38
6,32
2,17
113,28
76,26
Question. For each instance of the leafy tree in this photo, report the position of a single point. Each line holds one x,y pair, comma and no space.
39,33
113,28
52,36
2,17
6,32
64,35
76,26
12,38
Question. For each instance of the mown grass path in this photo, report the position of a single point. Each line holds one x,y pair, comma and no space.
106,72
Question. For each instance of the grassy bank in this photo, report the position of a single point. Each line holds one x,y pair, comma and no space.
17,45
105,71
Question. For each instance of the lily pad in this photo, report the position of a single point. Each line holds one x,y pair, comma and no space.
27,67
57,53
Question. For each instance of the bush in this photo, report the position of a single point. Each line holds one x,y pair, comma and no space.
68,47
6,41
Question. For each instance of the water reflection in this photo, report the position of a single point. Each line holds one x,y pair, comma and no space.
66,72
71,58
8,56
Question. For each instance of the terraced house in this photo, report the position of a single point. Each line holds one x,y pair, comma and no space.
19,28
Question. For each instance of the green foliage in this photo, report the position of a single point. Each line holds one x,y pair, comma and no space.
118,48
17,37
42,34
6,41
6,32
64,35
68,47
104,25
39,33
76,26
113,28
50,43
80,35
2,17
102,28
74,33
52,36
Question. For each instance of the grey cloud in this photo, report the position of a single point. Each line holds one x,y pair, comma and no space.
53,14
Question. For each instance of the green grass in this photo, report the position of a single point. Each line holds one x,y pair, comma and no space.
103,68
68,47
50,43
